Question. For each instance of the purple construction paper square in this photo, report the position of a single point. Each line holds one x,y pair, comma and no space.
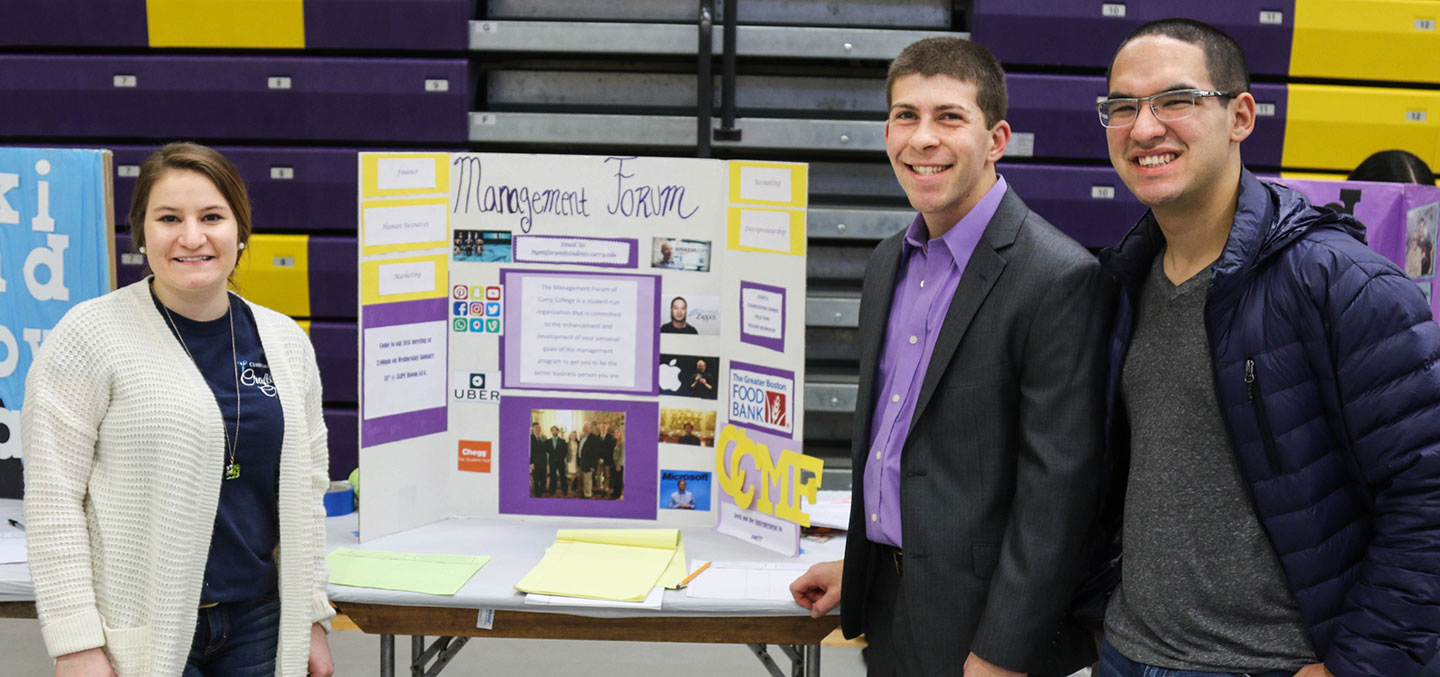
631,259
642,426
414,423
647,343
775,344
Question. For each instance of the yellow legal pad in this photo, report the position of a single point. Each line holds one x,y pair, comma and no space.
615,564
409,571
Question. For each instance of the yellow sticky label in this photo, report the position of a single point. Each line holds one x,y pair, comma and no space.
781,184
404,279
781,231
1367,40
404,225
393,174
1336,127
275,272
268,24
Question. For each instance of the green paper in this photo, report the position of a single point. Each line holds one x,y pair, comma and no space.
412,572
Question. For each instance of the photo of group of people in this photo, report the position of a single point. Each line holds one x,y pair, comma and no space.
684,490
1420,233
482,246
691,427
690,376
671,253
695,315
577,454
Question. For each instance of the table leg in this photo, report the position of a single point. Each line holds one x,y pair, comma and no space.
812,660
763,655
387,655
417,647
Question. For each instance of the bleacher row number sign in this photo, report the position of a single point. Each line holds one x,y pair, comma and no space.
1272,17
1424,24
1112,9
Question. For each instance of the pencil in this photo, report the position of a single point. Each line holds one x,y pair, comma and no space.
692,576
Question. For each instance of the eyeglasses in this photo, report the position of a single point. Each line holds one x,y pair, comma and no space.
1176,104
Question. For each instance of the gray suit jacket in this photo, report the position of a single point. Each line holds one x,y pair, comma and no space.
1001,467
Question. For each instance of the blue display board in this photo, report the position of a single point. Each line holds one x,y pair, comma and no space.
56,234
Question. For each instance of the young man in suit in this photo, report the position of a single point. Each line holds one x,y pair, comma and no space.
1274,397
977,452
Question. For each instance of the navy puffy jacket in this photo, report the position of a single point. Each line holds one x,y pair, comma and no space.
1325,365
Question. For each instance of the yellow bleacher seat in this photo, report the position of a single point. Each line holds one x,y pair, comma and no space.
1333,127
275,272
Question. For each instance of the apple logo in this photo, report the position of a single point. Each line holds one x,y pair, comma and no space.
670,377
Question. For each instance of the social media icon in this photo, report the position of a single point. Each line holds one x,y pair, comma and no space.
477,307
477,324
477,381
492,293
492,309
492,326
461,308
477,292
461,324
460,292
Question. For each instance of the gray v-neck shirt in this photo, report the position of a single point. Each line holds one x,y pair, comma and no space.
1202,588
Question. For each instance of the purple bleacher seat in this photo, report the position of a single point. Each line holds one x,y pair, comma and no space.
1060,111
73,23
343,426
127,273
319,193
1067,33
209,97
338,354
1074,200
388,24
334,270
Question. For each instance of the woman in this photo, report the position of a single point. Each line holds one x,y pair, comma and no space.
572,462
176,457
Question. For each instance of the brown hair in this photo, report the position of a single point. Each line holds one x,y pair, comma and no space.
195,158
1224,58
958,58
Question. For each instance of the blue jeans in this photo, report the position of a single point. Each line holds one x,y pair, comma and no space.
1115,664
236,639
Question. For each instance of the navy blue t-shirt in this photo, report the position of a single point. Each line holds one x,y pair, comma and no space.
241,565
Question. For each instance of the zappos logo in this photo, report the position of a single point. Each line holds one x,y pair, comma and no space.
461,324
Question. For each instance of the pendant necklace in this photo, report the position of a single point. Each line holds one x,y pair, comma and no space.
232,469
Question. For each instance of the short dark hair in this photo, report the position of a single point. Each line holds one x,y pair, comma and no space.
964,60
1394,166
1224,58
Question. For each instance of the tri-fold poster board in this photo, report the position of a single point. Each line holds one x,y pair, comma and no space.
1401,222
57,231
630,310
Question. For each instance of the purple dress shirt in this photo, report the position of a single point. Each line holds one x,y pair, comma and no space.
925,284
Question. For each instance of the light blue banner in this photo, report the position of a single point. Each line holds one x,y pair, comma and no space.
55,251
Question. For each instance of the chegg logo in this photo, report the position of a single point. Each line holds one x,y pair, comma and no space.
474,456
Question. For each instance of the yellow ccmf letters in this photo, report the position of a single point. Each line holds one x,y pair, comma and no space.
787,474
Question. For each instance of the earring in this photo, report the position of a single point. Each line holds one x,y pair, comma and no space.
142,249
242,246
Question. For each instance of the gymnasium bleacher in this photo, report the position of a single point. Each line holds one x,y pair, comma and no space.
291,89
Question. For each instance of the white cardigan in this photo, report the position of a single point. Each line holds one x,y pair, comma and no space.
124,450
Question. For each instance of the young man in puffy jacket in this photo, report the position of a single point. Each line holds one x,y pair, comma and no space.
1275,401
